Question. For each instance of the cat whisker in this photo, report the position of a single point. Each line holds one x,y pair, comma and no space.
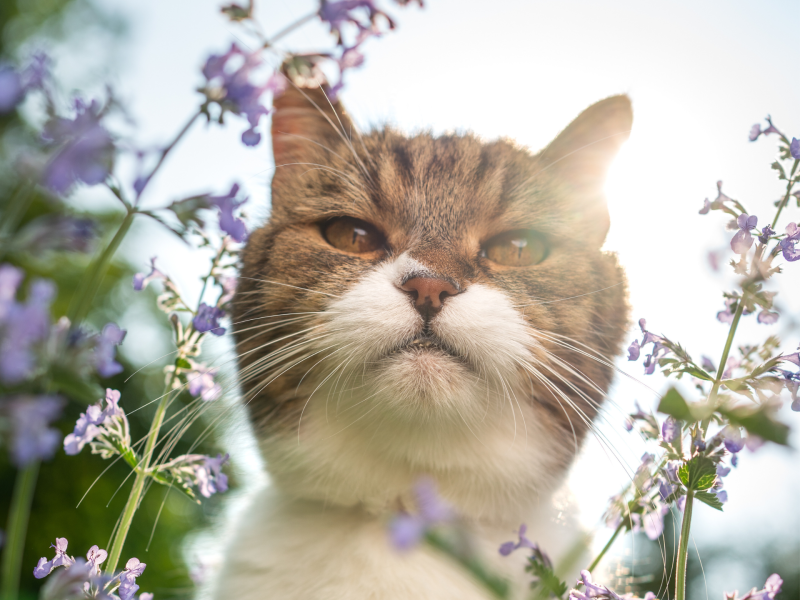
289,285
570,297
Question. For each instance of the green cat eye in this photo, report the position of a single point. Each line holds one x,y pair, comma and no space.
353,235
517,248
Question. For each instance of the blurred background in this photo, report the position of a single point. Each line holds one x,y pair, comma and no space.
700,75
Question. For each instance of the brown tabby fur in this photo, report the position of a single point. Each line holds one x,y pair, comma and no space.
438,198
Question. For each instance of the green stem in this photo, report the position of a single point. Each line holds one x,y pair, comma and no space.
17,528
16,209
683,548
82,301
606,548
789,186
132,505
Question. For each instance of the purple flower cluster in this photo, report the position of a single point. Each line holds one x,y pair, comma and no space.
231,88
201,382
94,423
718,203
757,131
22,325
228,222
29,418
407,530
743,240
771,589
141,280
83,579
15,84
200,471
207,319
787,244
84,149
593,590
658,351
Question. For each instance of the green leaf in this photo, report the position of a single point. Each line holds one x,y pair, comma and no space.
710,499
759,422
182,363
674,405
698,474
548,581
779,168
699,373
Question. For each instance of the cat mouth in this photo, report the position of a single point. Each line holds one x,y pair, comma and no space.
425,343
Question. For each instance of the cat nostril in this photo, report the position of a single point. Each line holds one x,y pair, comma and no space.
429,291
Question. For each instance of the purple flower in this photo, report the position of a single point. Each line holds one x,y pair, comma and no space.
651,360
634,350
233,91
706,207
207,319
792,358
406,530
787,244
105,349
743,240
522,542
794,148
707,364
722,470
229,223
771,589
72,583
766,232
32,437
10,278
732,438
45,567
228,284
140,280
85,149
95,557
342,12
25,324
127,579
88,426
670,429
209,477
766,317
11,90
756,131
592,590
201,382
726,316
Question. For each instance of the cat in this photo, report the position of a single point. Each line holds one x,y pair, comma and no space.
419,307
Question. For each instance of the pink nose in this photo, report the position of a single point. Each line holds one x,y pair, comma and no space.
429,292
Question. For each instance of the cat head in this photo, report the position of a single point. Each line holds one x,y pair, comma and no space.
428,302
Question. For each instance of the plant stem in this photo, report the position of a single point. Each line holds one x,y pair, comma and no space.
606,548
683,548
16,209
82,301
789,186
165,152
132,505
17,528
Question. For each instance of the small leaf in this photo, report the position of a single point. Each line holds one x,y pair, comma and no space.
759,422
700,473
696,372
710,499
779,168
674,405
182,363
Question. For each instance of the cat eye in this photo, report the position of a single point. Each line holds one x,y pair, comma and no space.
518,248
353,235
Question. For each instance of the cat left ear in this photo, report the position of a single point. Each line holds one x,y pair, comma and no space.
581,155
303,120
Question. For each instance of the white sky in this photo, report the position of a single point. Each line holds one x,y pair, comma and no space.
699,73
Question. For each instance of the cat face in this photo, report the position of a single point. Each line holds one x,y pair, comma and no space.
424,292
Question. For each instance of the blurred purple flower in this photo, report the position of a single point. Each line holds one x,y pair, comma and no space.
743,240
406,530
670,429
766,233
794,148
651,360
209,477
201,382
592,590
141,280
207,319
771,589
766,317
105,350
229,223
127,579
756,131
25,324
651,521
732,438
787,245
85,149
342,12
726,316
72,583
228,284
730,364
32,437
634,350
57,232
722,470
45,567
706,207
706,363
522,542
10,278
11,90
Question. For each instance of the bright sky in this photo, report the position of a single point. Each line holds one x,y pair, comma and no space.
699,73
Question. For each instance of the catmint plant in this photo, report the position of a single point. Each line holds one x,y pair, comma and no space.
47,361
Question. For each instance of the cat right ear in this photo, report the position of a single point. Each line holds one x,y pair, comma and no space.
303,121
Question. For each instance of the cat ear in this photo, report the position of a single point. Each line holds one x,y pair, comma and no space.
581,155
303,120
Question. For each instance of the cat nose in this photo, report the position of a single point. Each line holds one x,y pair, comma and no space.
429,293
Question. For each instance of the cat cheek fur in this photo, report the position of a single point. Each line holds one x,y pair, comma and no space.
349,415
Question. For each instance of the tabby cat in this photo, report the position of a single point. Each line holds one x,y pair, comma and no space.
424,306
